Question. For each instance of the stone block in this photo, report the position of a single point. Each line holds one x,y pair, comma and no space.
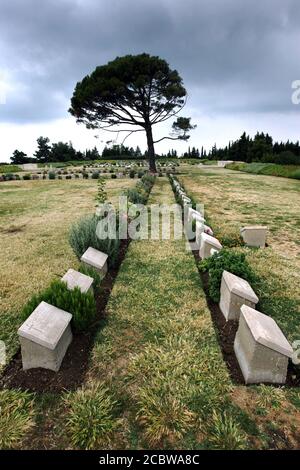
254,235
195,215
235,292
45,337
199,230
186,199
208,242
95,258
76,279
261,348
208,230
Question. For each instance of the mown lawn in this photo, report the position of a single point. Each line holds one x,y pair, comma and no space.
272,169
157,378
233,200
35,217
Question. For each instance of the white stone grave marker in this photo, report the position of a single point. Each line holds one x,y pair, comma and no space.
45,337
261,348
235,292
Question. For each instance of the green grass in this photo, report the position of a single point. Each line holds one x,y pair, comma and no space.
157,378
271,201
9,169
16,417
90,419
158,349
272,169
35,219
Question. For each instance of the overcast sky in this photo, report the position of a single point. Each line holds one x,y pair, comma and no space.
238,59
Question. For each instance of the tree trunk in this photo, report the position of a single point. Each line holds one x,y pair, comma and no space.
151,153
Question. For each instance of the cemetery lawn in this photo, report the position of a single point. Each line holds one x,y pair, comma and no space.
157,378
35,217
233,200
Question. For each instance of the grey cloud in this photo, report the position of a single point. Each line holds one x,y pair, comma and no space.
234,56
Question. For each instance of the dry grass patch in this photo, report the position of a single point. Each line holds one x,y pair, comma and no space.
16,417
35,220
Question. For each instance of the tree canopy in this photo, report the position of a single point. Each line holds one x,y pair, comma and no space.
133,93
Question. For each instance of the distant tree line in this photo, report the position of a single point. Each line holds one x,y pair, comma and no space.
261,148
195,153
65,152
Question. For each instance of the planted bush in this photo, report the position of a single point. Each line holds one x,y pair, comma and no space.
9,176
82,306
113,176
93,273
140,194
227,260
27,177
83,234
52,176
132,174
95,175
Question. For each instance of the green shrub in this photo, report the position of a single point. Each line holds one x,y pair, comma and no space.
137,195
76,175
95,175
140,174
113,176
131,173
148,180
59,177
83,235
296,175
227,260
92,272
27,177
85,175
68,177
52,175
81,305
231,239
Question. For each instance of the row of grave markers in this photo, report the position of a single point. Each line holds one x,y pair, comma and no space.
46,334
260,346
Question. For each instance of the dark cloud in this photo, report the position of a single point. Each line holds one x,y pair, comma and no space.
234,56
